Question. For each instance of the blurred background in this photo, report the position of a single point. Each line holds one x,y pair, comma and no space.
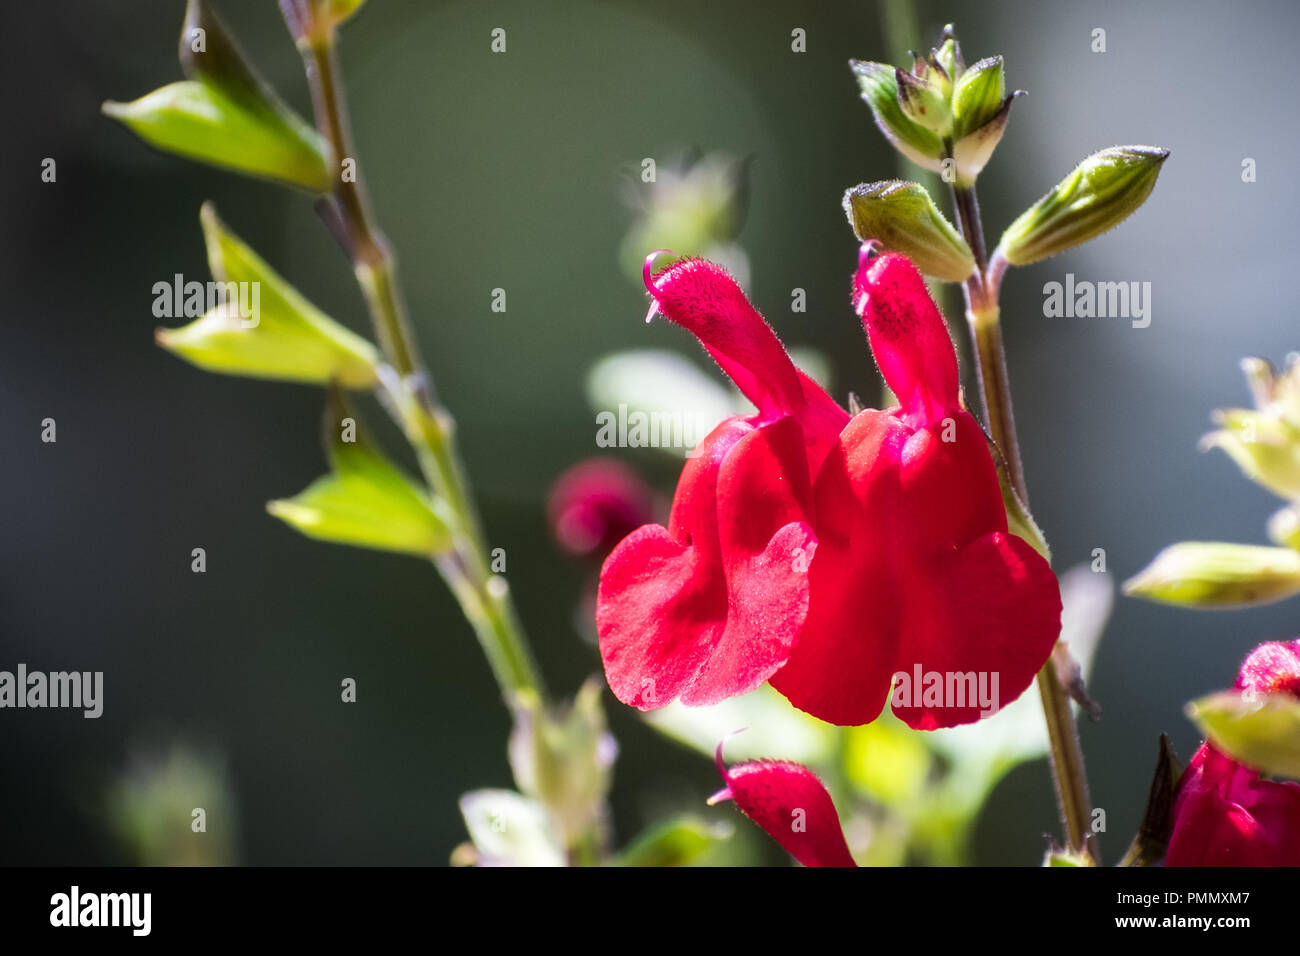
514,171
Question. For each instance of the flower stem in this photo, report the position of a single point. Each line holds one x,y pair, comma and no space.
982,314
483,595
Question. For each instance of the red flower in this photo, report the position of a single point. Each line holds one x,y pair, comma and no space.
916,572
914,569
595,504
789,802
710,606
1224,814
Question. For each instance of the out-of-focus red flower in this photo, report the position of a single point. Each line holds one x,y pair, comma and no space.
912,567
596,504
1224,813
709,607
790,803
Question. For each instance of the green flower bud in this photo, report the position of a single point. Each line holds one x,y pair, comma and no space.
1259,730
225,114
903,218
1265,446
285,338
562,758
924,101
1101,193
879,85
1203,574
365,501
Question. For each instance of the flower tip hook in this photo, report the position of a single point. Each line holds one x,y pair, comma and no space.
725,793
646,277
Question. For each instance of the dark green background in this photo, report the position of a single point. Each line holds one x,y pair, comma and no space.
504,171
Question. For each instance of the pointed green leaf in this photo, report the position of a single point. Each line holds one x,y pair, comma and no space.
1259,730
365,501
978,95
1209,574
1101,192
197,120
879,85
284,337
903,218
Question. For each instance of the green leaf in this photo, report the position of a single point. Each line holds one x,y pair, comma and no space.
903,218
1101,192
1211,574
978,95
1259,730
677,842
366,501
924,101
286,336
879,85
198,121
511,830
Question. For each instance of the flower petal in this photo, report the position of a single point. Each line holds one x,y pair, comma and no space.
705,300
1224,815
841,666
983,619
710,607
907,334
790,803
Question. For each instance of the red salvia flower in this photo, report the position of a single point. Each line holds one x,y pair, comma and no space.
710,606
790,803
913,569
1224,813
916,572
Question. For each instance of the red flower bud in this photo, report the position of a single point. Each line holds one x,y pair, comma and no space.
1224,813
596,504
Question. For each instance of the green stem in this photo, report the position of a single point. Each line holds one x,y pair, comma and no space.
483,595
981,291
